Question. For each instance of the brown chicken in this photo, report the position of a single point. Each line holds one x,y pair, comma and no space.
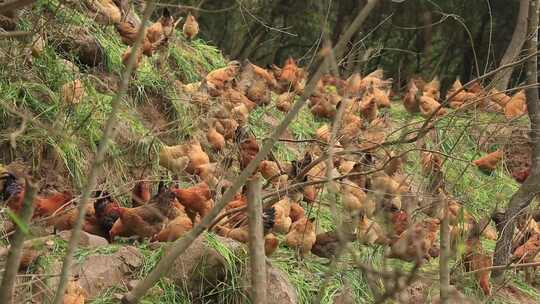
370,232
147,220
516,106
218,80
237,98
247,147
411,98
499,98
283,220
196,198
215,139
284,101
271,243
400,221
160,29
127,31
297,212
429,105
527,253
351,128
140,194
289,75
327,243
175,228
173,158
191,27
368,108
431,163
269,169
488,163
353,85
301,236
475,258
414,244
432,89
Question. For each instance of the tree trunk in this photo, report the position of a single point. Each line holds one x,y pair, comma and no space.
523,197
518,38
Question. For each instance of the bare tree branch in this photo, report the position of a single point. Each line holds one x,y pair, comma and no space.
95,169
15,251
256,241
183,243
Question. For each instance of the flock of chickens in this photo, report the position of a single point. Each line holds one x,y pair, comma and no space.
372,190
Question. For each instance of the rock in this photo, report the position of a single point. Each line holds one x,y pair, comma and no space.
99,272
86,240
86,49
414,293
201,267
344,296
281,290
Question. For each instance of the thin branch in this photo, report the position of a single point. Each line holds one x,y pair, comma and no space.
14,5
183,243
15,251
14,34
256,241
96,167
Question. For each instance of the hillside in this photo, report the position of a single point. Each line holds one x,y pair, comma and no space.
55,142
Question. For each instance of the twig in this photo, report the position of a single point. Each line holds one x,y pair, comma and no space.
14,5
96,166
179,246
15,252
256,242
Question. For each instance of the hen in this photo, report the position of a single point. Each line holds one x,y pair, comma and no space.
175,228
414,244
370,232
327,243
191,27
301,236
247,147
516,106
488,163
196,198
475,258
411,98
140,194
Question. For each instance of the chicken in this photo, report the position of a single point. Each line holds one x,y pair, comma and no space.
413,244
431,163
374,80
301,236
475,258
499,98
269,169
283,220
147,220
323,133
241,234
215,139
72,92
400,221
297,212
368,108
527,253
411,98
394,165
247,147
370,232
196,198
521,176
175,228
381,98
217,80
459,99
106,12
327,243
429,105
191,27
353,86
322,106
488,163
173,158
160,29
237,98
516,106
140,194
138,57
351,128
353,198
46,205
74,293
284,101
432,89
127,31
106,210
271,243
289,76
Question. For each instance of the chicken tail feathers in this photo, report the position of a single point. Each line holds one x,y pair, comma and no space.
269,217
